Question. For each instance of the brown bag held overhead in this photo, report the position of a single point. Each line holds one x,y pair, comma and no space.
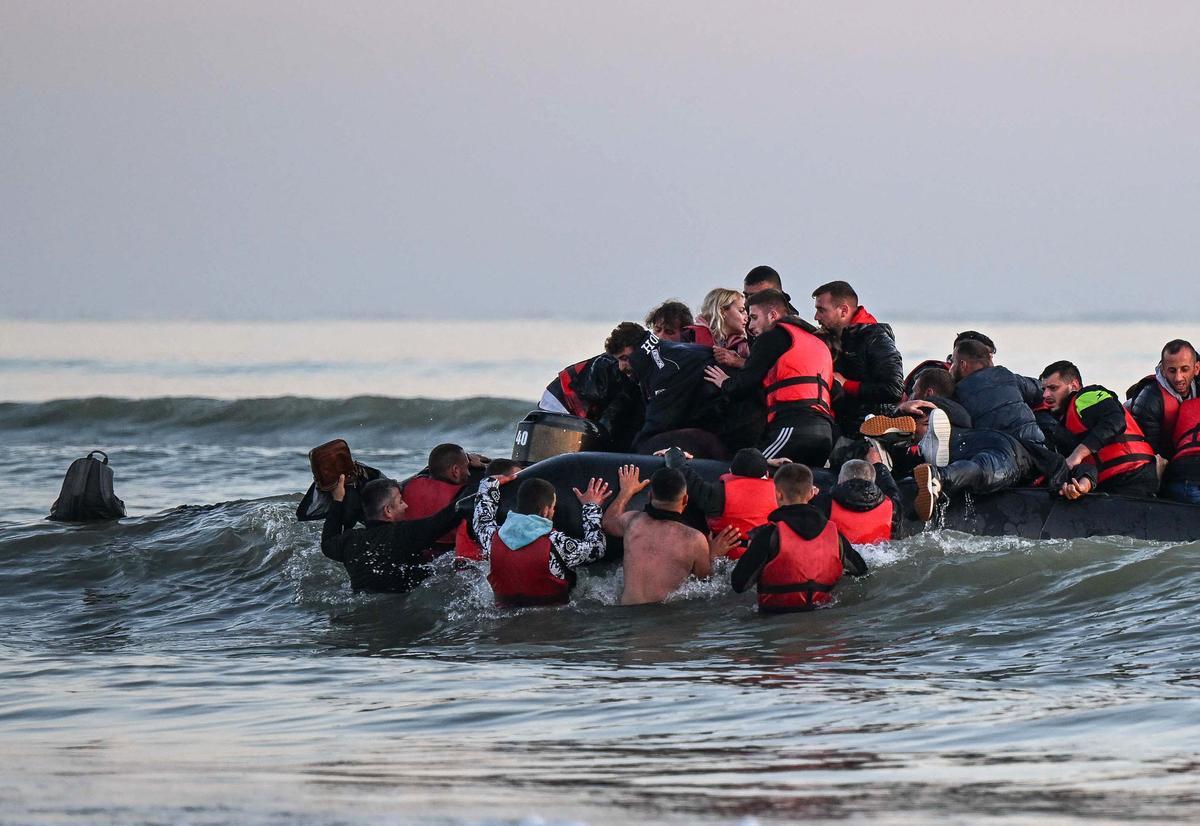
329,461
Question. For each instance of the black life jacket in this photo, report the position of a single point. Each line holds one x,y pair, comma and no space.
87,492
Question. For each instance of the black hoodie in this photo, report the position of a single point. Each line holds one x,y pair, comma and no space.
808,523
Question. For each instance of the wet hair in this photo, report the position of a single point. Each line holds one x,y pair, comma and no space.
750,462
534,495
794,481
857,469
769,298
832,340
375,494
1172,348
933,381
1063,368
763,274
973,351
501,467
671,313
972,335
443,458
667,485
626,334
839,291
713,308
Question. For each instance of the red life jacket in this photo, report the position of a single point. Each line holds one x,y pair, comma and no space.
864,527
567,379
802,377
803,573
748,503
1126,453
1187,430
426,496
522,577
700,335
464,546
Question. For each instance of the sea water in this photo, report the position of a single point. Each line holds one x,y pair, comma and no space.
201,662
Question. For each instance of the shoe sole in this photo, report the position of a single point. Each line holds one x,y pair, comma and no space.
937,440
926,498
882,425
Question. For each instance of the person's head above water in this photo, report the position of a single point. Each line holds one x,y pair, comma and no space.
933,381
536,497
969,357
794,485
382,501
501,467
765,308
835,304
668,319
621,343
449,463
1178,365
668,490
761,278
857,469
1059,380
749,462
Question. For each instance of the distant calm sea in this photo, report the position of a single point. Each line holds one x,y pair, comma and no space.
201,662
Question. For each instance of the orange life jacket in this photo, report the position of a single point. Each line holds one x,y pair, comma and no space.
426,496
803,573
522,577
464,546
802,377
748,503
1186,434
1126,453
864,527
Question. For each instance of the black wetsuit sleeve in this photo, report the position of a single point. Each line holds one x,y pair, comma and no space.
1147,410
766,351
764,545
1104,420
852,561
707,496
884,381
332,544
418,534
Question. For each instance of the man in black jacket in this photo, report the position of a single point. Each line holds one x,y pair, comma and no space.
1155,400
869,367
996,398
388,554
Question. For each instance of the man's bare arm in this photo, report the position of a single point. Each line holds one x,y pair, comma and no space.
615,519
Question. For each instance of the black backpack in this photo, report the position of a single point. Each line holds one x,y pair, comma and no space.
87,492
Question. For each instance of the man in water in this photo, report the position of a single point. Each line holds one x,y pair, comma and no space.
865,502
661,552
388,554
1105,434
798,557
795,371
601,388
450,469
869,366
531,563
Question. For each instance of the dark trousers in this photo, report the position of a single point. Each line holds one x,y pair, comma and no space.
985,461
804,439
1141,482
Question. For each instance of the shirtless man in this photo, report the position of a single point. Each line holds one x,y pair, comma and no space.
660,550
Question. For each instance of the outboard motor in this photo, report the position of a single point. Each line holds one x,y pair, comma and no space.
87,492
543,434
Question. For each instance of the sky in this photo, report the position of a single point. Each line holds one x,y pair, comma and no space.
468,160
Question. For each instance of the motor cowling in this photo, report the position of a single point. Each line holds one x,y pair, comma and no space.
543,434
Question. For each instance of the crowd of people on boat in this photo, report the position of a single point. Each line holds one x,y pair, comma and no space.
751,383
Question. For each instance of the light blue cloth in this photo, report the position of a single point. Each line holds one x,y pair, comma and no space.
519,529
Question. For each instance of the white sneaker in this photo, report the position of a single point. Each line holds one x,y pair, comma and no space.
929,488
935,444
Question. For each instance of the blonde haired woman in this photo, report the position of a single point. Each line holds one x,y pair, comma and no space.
722,321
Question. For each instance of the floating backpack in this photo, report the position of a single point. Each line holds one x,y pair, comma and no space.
87,492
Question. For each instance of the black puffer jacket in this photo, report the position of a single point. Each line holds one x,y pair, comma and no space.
999,399
1146,405
872,367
